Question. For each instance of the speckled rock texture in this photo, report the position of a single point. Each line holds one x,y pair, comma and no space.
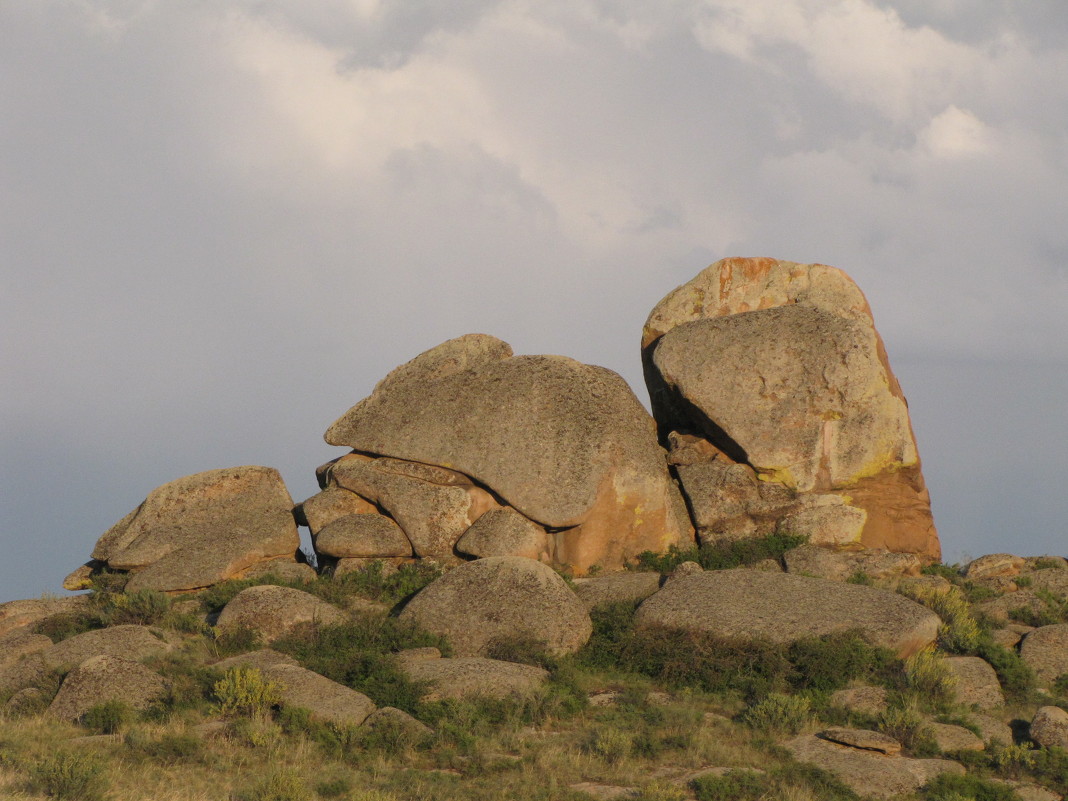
780,367
505,532
782,607
977,683
202,529
362,536
466,677
811,560
501,597
106,678
566,444
867,773
128,641
325,699
864,739
273,611
1046,651
616,587
16,614
1049,727
951,738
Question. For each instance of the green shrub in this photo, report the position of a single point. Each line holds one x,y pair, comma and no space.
233,640
1060,685
926,673
170,748
906,724
333,788
960,632
734,785
523,649
74,776
948,787
374,584
279,785
245,692
831,662
62,626
779,714
1012,759
1050,765
1016,676
715,664
109,717
359,654
611,745
748,785
1054,610
948,572
723,554
190,685
142,608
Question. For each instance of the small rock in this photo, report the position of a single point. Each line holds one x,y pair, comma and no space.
992,729
976,682
286,569
784,608
869,773
505,532
863,739
15,614
634,586
332,503
605,792
389,716
127,641
261,659
325,699
995,564
1006,637
1049,727
364,536
604,699
950,738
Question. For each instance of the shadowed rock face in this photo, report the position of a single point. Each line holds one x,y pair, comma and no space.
566,444
779,366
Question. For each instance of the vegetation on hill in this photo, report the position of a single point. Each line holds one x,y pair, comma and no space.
650,709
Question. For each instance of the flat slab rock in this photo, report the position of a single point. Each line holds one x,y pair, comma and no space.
867,772
127,641
616,587
325,699
863,739
472,676
783,608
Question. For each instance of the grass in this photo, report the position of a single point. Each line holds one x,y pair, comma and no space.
722,555
729,702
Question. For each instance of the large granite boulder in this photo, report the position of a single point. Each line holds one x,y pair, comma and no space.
499,598
779,366
975,682
202,529
782,607
566,444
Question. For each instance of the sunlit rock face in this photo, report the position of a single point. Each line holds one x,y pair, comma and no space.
566,445
773,387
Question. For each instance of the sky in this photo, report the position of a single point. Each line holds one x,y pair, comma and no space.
222,222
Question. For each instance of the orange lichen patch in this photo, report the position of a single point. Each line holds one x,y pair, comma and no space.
621,525
899,512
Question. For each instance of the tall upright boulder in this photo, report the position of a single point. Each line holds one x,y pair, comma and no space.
779,368
566,444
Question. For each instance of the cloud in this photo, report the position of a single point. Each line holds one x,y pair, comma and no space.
221,223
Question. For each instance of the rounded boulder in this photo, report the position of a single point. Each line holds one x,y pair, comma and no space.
498,598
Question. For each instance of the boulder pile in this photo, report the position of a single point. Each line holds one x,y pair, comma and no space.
774,409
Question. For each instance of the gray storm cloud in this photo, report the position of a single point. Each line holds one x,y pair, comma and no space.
221,223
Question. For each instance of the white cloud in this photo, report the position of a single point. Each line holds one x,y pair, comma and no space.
956,133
